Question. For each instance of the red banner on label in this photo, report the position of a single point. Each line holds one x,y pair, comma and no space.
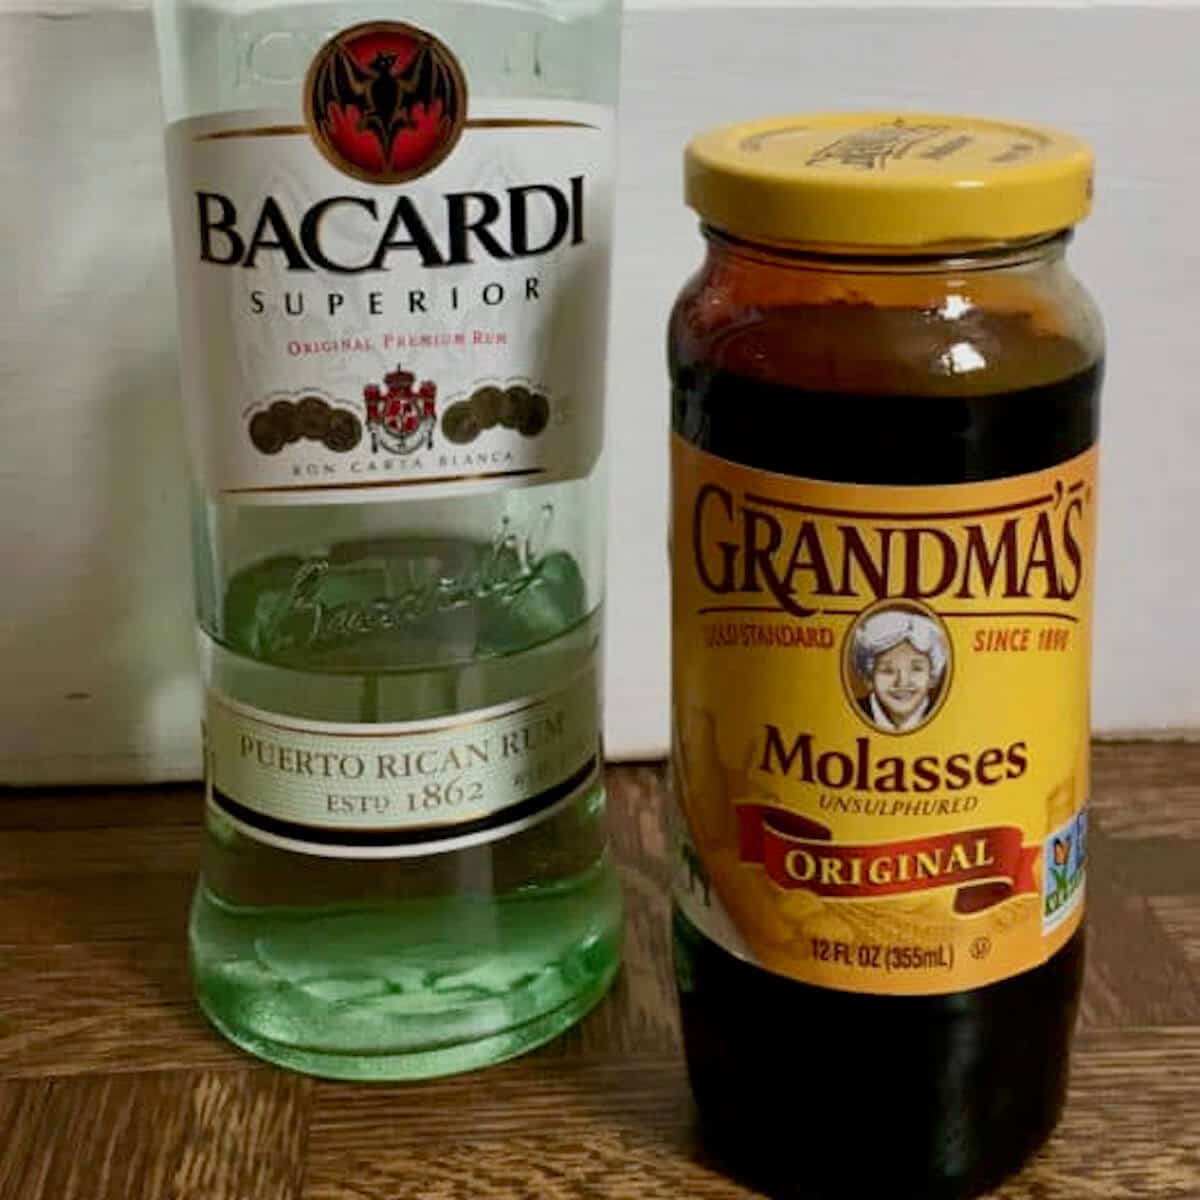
986,865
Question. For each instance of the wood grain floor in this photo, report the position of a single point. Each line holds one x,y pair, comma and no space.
113,1088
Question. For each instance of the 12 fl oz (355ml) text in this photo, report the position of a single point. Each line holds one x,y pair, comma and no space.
881,957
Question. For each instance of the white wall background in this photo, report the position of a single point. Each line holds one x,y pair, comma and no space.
1126,78
95,644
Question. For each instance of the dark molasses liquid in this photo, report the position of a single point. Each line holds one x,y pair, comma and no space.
809,1092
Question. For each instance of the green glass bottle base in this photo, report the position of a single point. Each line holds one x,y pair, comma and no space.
411,989
416,1064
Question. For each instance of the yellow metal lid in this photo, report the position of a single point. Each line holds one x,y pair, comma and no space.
886,179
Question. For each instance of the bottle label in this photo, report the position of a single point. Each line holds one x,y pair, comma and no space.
881,734
404,291
404,788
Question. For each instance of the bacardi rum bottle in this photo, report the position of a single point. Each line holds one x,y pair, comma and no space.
391,231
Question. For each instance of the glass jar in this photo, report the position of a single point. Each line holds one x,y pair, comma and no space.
885,408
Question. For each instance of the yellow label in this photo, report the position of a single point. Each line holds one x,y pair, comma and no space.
881,720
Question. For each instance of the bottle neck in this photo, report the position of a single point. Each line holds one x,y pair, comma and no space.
1044,250
1030,276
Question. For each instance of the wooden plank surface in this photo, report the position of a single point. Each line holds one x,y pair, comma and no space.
113,1088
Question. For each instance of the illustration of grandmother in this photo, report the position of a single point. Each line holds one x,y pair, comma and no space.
902,657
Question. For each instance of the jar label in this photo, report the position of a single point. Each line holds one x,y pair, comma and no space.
396,789
389,299
881,725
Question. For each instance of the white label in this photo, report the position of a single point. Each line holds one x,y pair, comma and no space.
343,340
406,788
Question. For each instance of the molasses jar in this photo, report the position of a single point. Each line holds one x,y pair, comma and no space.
885,408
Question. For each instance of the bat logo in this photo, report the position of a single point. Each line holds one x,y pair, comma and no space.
385,102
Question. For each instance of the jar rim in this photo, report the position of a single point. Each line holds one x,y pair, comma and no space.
963,256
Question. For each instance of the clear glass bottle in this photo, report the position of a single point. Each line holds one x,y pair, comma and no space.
395,423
